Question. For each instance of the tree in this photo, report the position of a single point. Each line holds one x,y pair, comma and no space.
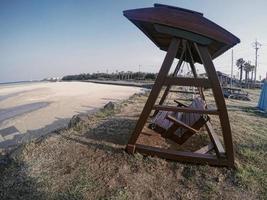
240,65
247,68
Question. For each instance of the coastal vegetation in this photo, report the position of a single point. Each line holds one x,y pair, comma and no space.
112,76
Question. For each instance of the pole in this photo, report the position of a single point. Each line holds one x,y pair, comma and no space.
256,61
139,74
256,45
232,68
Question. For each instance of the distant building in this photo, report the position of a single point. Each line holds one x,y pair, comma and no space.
53,79
225,79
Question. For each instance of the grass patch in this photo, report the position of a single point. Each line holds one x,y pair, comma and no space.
78,186
250,177
118,194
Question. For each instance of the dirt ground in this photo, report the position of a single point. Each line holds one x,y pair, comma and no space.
88,161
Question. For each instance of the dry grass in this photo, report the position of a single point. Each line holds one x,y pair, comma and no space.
88,161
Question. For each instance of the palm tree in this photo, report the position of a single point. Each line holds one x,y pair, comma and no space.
240,64
247,68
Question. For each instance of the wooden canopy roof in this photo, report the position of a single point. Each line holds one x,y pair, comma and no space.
162,22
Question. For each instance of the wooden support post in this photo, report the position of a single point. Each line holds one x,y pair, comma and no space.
164,70
219,99
178,66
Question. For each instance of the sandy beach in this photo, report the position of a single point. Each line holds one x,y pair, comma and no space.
32,110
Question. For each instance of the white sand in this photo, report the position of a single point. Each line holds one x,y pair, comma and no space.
65,100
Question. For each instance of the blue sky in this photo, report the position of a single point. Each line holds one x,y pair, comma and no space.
46,38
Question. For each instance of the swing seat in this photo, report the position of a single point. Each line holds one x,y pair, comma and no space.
180,126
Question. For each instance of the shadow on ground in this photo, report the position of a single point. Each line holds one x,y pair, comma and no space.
115,131
113,134
15,183
22,138
54,127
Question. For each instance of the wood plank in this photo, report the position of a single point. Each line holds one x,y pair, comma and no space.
188,157
181,124
206,148
164,70
179,103
184,81
186,109
215,139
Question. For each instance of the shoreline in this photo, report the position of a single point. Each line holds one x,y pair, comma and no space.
120,83
23,108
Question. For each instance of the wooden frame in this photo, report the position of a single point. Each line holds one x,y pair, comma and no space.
222,157
177,31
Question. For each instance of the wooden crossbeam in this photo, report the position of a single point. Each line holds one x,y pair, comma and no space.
183,81
188,157
186,110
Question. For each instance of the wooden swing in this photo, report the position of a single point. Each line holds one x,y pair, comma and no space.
179,31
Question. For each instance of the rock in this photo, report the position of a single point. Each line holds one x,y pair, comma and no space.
109,106
77,119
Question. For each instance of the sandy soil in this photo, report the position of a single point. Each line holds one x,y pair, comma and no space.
38,108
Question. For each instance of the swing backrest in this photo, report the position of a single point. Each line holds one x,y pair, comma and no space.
161,120
192,118
188,118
